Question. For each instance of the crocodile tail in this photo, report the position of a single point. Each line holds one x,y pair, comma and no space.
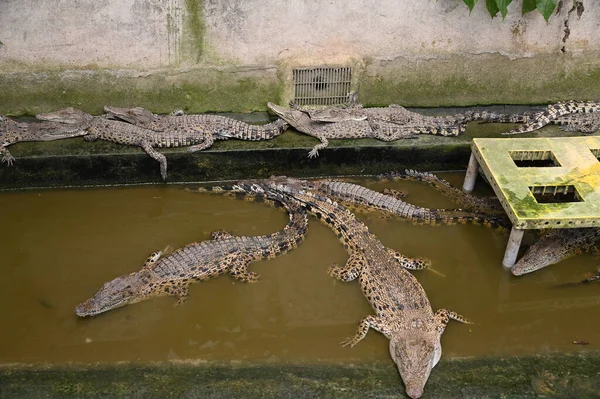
555,111
440,130
239,191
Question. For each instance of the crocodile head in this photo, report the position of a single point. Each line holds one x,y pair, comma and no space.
294,117
121,291
136,116
415,353
12,131
67,115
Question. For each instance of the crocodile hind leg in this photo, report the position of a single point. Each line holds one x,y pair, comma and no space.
238,268
208,141
394,193
221,235
152,258
367,322
156,155
442,316
351,269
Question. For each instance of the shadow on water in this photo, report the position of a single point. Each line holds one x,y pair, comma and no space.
59,247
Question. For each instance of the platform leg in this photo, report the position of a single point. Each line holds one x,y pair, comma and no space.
512,248
471,175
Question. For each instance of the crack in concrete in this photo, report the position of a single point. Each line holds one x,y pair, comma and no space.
578,7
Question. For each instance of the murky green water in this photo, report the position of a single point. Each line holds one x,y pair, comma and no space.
59,247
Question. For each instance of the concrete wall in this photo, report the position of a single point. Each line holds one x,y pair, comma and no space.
238,54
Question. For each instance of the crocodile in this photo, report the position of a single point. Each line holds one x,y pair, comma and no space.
554,246
209,127
555,112
402,309
385,124
484,205
198,261
12,132
101,127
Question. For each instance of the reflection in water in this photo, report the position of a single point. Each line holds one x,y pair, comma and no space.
59,247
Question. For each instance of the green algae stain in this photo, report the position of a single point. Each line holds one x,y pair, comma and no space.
194,28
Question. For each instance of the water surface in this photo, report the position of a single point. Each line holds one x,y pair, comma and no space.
59,246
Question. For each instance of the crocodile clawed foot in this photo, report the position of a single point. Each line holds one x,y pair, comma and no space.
249,277
349,342
313,153
9,159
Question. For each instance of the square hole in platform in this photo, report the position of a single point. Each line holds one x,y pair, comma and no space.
534,159
555,194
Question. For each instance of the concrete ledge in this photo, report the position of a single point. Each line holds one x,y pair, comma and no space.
556,375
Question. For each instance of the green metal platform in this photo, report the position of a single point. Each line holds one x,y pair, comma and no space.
541,182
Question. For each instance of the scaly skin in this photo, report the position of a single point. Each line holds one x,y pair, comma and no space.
556,111
12,132
402,310
209,127
556,245
351,128
100,127
487,205
364,197
199,261
584,123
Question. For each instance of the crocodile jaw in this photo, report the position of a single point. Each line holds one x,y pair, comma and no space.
415,354
114,294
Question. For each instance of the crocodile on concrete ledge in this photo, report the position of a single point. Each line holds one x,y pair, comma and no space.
199,261
12,132
100,127
385,124
208,127
402,309
560,114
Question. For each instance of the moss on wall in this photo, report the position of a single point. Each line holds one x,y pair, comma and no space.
193,34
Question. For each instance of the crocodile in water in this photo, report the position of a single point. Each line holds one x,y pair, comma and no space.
402,309
100,127
199,261
560,114
554,246
208,127
12,132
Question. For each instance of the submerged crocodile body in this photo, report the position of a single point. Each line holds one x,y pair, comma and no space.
199,261
385,124
208,127
100,127
402,309
560,114
554,246
12,132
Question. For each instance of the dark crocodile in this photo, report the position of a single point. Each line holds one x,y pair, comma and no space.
100,127
386,124
402,309
12,132
554,246
209,127
555,113
199,261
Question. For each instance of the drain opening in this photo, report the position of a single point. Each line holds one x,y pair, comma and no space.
555,194
322,86
534,159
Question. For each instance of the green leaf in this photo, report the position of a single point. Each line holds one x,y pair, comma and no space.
492,7
503,7
470,4
528,6
545,7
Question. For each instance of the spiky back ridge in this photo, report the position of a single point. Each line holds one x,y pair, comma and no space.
554,111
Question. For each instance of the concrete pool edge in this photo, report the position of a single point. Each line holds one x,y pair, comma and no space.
553,375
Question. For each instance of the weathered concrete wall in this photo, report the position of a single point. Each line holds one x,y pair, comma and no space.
237,55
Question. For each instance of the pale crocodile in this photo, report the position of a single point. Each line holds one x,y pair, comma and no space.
385,124
560,114
100,127
208,127
554,246
402,309
12,132
199,261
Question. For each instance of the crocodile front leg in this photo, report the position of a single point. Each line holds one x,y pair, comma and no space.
315,150
238,268
351,269
409,263
367,322
442,316
157,156
6,156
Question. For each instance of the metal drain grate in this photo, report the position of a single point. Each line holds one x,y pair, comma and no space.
322,86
